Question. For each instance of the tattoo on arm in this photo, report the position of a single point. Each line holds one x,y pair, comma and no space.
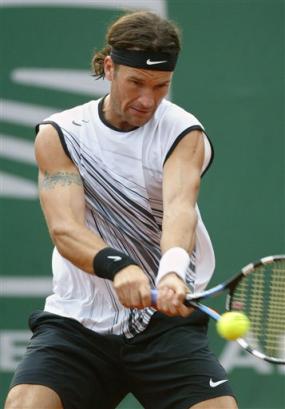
60,178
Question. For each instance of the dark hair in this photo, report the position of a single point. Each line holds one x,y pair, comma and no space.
140,30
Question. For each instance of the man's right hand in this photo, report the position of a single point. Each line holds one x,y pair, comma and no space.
132,287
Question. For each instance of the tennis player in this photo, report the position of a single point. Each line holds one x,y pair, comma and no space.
118,181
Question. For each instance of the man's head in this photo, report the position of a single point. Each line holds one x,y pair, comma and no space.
139,60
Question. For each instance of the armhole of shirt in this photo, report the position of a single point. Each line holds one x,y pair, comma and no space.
212,155
60,134
181,136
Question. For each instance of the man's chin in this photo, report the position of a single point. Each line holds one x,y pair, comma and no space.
139,118
140,123
136,122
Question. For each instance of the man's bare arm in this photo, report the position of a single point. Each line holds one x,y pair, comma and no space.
181,181
62,200
181,184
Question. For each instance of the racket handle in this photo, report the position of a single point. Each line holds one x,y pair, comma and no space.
153,296
207,310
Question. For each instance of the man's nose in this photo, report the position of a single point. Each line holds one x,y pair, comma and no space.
146,99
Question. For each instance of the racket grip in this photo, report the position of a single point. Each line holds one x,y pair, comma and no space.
153,296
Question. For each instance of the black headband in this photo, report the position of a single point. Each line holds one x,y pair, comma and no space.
148,60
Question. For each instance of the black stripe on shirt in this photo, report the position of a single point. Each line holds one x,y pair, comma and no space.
181,136
60,134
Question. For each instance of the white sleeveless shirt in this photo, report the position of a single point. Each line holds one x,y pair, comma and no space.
122,176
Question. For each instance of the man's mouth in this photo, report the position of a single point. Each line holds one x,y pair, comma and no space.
141,111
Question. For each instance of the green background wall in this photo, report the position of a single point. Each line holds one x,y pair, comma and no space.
230,75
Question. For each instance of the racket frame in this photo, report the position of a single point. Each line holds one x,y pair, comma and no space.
193,300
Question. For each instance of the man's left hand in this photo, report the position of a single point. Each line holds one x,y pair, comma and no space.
171,295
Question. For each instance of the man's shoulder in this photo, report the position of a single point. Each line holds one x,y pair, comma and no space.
171,113
75,115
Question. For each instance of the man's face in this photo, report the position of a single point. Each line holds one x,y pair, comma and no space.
135,94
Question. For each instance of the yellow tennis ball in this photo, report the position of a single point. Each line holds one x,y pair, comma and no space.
233,325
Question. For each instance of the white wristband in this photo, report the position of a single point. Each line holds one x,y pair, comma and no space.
175,260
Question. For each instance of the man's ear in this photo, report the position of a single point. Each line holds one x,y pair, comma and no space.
109,68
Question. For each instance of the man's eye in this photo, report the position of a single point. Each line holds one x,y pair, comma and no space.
135,82
162,86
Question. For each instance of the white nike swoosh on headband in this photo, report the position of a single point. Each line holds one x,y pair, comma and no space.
214,384
149,62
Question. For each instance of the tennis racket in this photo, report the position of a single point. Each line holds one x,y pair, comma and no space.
258,291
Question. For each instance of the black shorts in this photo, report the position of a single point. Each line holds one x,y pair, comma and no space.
167,366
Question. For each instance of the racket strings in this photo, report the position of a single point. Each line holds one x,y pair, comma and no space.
261,296
276,311
256,313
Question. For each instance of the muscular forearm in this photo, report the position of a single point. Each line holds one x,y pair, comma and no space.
77,244
178,228
177,241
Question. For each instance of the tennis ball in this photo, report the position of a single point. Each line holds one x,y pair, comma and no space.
232,325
